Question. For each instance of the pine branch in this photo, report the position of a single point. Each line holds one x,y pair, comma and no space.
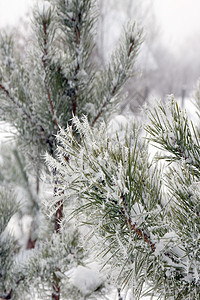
103,107
44,61
172,132
98,171
142,235
99,113
10,293
119,70
18,104
76,20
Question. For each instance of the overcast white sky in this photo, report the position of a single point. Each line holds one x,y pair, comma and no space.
12,10
178,18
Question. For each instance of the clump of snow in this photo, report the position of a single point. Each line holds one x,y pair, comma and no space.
169,237
118,124
137,213
86,279
20,228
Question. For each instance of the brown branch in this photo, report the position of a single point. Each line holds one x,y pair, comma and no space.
74,105
77,35
142,235
51,105
57,226
99,113
58,217
131,47
137,230
59,212
8,296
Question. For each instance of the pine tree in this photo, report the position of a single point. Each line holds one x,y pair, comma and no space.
39,96
145,215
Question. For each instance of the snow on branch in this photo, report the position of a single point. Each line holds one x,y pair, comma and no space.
119,70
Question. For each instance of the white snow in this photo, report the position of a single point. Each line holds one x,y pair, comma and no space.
11,11
86,279
137,213
6,132
20,228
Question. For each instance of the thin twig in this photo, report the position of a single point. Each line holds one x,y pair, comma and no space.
131,47
99,113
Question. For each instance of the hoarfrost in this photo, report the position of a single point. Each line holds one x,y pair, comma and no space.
137,213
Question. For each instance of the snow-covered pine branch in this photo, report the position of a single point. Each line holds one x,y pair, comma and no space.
146,236
119,70
172,131
118,191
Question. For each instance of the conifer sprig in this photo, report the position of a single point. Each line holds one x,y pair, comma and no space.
171,130
118,71
108,179
118,193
